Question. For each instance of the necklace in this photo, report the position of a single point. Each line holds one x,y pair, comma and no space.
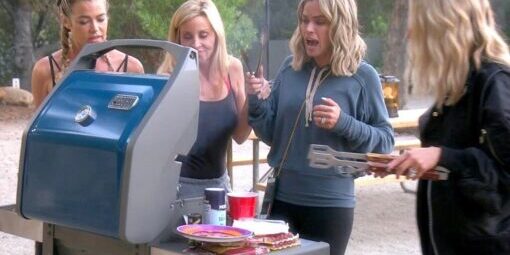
311,89
107,61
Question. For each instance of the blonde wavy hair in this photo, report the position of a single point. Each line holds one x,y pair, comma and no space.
187,11
348,46
446,38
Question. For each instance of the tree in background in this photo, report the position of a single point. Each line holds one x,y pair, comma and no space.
374,17
283,18
395,53
6,49
151,18
35,31
502,9
20,14
28,27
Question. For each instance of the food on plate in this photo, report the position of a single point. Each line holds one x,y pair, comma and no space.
276,241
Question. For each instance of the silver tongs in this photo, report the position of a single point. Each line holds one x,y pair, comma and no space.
358,164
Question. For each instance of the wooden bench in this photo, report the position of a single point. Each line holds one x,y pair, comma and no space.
255,160
406,142
407,119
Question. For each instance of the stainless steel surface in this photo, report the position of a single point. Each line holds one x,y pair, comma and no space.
324,149
307,247
48,244
123,102
323,156
67,241
12,223
255,156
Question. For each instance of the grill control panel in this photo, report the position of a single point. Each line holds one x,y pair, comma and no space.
123,102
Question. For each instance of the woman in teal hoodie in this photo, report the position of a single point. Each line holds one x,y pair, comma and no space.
339,101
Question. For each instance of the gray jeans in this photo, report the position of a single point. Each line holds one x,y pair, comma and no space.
190,187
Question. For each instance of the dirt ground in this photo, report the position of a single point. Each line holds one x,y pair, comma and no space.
384,216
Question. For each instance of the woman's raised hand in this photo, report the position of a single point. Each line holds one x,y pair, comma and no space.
257,84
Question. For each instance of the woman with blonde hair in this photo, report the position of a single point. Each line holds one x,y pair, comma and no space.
456,51
223,111
323,94
82,22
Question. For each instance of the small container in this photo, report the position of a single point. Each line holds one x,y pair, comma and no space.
390,86
15,83
194,218
215,207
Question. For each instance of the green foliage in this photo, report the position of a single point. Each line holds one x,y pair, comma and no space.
374,17
45,29
6,52
151,18
502,14
283,18
155,16
378,26
239,27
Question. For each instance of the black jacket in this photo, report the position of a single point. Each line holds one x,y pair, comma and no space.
470,212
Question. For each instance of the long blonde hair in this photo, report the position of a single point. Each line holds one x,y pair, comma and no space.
187,11
348,46
446,38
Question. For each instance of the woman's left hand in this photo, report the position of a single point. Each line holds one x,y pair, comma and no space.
415,162
326,115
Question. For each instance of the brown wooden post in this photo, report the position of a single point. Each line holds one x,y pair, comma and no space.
230,167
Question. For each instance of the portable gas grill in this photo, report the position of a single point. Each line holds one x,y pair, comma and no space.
99,154
97,169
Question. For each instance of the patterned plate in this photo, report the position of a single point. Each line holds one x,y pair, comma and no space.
213,233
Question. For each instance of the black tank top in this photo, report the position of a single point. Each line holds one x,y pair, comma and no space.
54,64
216,123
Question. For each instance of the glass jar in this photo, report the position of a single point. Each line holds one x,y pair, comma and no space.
390,92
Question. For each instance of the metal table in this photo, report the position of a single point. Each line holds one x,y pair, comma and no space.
53,239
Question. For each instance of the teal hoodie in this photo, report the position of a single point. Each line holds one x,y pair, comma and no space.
363,127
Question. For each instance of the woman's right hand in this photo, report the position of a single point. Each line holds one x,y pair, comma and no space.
257,85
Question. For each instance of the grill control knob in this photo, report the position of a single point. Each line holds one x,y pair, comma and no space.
85,115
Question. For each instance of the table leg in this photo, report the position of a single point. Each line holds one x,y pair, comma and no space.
230,166
38,248
255,162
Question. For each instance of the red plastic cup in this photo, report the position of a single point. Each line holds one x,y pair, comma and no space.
242,204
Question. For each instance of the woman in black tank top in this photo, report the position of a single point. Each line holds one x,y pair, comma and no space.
83,22
223,112
55,67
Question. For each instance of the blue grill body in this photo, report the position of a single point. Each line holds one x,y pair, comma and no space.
67,161
99,154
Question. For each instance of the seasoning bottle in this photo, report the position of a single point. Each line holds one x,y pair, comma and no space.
215,208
